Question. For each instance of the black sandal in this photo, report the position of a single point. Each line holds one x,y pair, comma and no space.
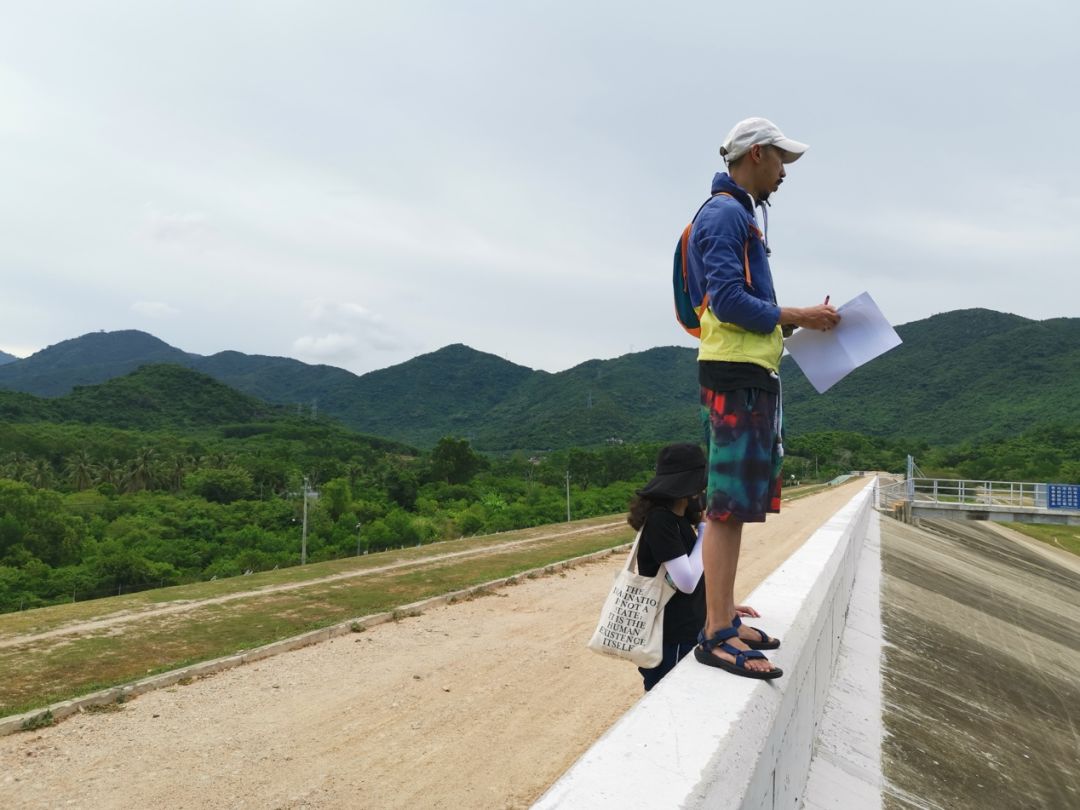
703,654
766,642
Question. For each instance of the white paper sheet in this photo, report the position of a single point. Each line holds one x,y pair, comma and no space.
827,357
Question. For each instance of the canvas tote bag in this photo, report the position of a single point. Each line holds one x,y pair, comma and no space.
631,624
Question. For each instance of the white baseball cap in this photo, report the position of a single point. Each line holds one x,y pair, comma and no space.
753,131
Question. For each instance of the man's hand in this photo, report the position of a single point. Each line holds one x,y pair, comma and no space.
822,317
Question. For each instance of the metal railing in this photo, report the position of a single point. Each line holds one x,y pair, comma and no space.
960,492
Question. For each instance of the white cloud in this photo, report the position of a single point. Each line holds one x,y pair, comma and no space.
352,331
18,351
154,309
22,112
332,346
191,229
325,311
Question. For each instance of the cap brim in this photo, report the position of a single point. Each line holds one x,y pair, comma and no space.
793,150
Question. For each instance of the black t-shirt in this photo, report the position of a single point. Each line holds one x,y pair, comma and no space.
665,537
720,375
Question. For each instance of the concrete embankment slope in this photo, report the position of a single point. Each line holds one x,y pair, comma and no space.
981,669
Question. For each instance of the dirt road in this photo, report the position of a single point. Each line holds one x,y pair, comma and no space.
480,704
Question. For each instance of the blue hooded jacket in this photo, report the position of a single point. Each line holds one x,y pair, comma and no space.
728,267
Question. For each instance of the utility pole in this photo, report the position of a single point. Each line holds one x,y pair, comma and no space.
567,496
303,537
358,525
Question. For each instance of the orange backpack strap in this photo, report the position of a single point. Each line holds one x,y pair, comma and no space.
745,247
686,312
746,262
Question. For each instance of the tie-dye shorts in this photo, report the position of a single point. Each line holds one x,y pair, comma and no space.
742,434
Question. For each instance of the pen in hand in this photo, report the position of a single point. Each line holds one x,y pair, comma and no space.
833,323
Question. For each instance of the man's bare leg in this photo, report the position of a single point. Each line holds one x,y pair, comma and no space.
720,559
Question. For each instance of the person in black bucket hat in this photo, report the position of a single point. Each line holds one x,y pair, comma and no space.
667,511
680,473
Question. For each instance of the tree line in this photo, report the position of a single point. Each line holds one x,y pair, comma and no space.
90,511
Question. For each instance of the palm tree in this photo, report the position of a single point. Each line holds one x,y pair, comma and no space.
353,470
17,464
80,470
175,469
141,469
111,472
219,460
41,473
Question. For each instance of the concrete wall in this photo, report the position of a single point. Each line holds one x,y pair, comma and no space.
706,739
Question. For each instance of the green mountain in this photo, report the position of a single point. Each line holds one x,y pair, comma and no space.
6,358
86,360
963,375
449,392
646,396
150,398
446,392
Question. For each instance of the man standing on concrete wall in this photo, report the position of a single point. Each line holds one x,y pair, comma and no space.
742,331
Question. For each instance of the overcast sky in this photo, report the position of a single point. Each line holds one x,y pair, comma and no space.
356,183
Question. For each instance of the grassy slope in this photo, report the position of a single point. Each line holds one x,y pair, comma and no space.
1063,537
41,672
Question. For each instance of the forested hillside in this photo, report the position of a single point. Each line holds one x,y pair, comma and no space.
167,476
450,392
152,397
959,376
86,360
647,396
964,375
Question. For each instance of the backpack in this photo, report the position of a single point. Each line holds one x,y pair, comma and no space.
686,313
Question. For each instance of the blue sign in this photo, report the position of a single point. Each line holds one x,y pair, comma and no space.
1063,496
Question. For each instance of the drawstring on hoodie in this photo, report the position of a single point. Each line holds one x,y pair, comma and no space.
779,415
764,205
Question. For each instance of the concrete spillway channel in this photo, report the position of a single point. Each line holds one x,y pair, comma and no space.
981,670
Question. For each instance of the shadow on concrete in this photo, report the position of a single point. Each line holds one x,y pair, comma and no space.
981,672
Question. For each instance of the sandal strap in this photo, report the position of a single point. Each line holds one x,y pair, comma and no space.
740,656
737,623
717,639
